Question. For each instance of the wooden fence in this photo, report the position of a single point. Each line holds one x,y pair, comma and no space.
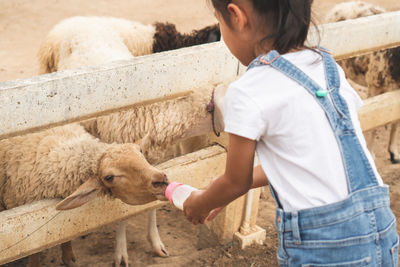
36,103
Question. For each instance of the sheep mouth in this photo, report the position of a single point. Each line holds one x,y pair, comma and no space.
160,196
160,184
159,188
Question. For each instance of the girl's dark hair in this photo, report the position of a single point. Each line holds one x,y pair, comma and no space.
289,20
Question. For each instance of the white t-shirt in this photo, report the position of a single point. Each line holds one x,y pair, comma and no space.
296,146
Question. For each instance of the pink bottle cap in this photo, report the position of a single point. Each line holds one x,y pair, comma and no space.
170,188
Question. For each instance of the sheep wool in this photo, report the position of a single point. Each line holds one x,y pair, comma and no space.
86,41
48,164
352,10
168,122
378,71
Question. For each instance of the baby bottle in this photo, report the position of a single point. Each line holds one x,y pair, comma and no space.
177,193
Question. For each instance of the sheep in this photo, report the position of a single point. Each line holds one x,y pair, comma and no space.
168,121
352,10
374,73
85,41
67,162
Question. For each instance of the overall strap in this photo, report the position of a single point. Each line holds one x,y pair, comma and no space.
357,167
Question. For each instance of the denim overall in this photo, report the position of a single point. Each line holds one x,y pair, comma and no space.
357,231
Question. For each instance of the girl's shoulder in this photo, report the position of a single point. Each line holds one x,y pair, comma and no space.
267,85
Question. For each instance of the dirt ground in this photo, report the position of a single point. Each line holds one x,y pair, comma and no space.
24,23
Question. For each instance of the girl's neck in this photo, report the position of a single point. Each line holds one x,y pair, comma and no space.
260,51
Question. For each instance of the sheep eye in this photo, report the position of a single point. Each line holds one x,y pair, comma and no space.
109,178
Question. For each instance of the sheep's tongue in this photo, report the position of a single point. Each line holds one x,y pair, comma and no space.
165,185
161,187
161,197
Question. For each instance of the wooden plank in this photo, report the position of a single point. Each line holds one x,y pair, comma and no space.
380,110
76,94
356,37
54,99
359,36
34,227
31,228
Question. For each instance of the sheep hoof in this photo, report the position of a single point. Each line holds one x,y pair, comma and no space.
69,261
68,257
121,260
393,158
121,263
161,251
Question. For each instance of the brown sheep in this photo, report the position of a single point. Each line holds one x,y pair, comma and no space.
67,162
84,41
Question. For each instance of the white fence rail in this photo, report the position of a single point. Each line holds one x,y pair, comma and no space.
71,95
55,99
31,228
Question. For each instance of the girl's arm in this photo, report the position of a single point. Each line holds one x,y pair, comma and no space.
235,182
259,177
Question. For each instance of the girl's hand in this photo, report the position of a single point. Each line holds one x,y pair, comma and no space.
237,177
193,209
214,213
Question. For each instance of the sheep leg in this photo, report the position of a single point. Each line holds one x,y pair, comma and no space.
263,192
34,260
121,251
153,235
370,139
393,146
68,256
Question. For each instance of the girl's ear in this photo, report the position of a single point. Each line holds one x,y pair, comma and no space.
238,16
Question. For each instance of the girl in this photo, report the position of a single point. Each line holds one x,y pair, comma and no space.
295,108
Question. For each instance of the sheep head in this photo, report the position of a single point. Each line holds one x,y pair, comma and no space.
126,174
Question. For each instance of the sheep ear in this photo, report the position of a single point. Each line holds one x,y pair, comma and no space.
86,192
144,143
219,93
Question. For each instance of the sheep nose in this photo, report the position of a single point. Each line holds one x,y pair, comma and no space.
159,180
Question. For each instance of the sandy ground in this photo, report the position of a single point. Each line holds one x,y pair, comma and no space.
24,23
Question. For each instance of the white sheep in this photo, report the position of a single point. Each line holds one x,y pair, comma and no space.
352,10
85,41
375,73
67,162
168,122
